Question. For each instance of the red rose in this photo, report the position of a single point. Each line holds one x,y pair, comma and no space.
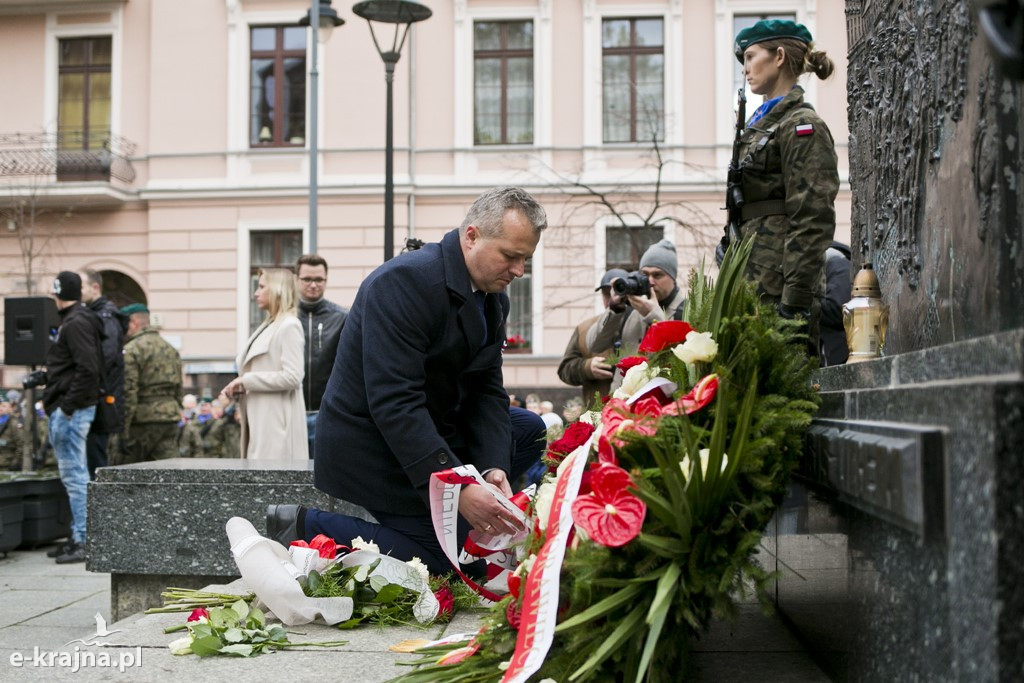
664,334
610,515
575,435
629,362
445,600
198,614
324,545
513,614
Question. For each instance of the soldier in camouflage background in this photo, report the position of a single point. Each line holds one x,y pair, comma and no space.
13,437
225,435
788,164
152,385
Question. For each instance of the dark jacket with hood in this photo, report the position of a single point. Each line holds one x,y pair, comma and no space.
321,324
73,363
114,325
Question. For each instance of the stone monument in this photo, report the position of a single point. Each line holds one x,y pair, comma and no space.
900,546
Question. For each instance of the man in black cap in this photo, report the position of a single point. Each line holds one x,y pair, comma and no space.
585,361
72,379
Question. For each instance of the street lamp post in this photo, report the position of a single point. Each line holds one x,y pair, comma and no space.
327,20
401,13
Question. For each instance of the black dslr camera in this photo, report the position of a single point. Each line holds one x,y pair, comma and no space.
634,283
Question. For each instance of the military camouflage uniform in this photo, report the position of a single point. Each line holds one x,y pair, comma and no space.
190,443
790,184
223,439
152,385
14,443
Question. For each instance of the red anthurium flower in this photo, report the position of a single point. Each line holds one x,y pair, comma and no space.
198,614
610,515
629,362
515,583
701,395
513,614
605,452
664,334
616,417
457,655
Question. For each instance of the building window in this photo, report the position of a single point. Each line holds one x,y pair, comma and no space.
740,22
503,82
633,77
270,249
520,314
83,93
624,246
277,61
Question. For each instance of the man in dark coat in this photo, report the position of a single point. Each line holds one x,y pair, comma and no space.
115,325
417,388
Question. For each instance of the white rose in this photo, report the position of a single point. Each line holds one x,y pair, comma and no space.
359,544
591,417
417,564
698,347
503,666
542,503
705,455
636,377
181,646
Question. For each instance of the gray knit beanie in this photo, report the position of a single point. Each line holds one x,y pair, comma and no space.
661,255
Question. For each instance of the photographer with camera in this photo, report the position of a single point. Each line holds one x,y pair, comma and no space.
652,292
72,380
585,362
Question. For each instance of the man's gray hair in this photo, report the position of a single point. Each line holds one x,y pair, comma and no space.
488,211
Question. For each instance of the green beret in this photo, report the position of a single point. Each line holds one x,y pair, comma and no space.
770,29
134,308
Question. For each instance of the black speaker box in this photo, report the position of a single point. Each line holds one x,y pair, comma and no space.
30,326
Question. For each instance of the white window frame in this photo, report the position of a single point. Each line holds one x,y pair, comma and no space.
593,72
464,62
244,230
51,58
806,12
239,167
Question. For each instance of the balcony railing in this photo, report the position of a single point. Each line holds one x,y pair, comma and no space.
71,156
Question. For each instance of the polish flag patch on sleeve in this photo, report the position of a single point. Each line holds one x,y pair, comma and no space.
804,129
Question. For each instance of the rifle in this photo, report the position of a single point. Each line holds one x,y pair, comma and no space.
734,200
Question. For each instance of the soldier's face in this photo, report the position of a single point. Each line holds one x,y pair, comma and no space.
762,68
5,408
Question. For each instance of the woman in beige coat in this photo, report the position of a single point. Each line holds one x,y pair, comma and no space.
269,384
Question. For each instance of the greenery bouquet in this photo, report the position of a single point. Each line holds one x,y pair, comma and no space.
656,504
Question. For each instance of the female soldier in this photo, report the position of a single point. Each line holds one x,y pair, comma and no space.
788,165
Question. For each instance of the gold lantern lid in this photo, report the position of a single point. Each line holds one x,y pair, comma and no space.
866,283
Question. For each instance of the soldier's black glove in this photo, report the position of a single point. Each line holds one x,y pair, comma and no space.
34,379
792,312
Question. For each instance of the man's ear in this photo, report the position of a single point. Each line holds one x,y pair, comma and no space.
472,234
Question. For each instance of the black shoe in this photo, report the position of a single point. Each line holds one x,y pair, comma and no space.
59,550
282,523
75,553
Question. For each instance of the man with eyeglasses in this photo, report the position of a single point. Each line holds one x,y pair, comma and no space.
322,321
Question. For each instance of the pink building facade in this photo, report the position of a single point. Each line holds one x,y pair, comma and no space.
165,144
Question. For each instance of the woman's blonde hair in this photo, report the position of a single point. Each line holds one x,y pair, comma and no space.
281,290
801,57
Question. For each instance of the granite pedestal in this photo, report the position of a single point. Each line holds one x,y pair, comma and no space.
158,524
899,545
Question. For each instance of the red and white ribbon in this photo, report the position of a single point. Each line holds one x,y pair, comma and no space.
445,487
540,597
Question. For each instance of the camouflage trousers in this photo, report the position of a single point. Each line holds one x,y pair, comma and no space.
153,441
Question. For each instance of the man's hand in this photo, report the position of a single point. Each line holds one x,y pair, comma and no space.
643,304
479,508
598,369
500,481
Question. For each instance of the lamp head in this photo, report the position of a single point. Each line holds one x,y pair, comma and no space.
392,11
328,20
